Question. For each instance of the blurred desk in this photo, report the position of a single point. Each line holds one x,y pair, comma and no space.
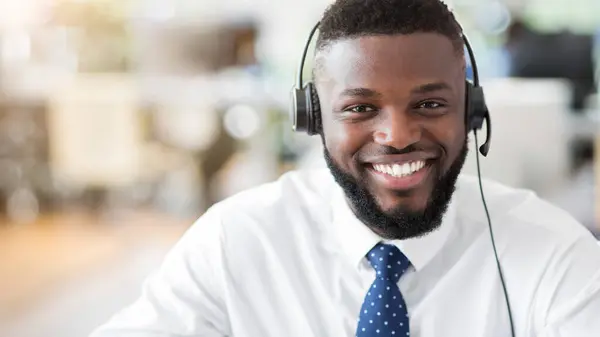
38,259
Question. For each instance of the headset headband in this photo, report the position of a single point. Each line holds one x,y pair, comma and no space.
300,76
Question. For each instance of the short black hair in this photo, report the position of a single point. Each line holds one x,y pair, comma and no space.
355,18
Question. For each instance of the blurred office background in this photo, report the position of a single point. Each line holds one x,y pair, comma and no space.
121,121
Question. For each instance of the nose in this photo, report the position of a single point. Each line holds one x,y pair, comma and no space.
397,129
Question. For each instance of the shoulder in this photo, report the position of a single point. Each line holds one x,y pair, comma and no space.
295,199
549,258
522,221
294,190
515,209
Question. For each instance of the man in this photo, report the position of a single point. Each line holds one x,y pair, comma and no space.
390,240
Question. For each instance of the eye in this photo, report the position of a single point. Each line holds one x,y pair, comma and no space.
361,109
430,105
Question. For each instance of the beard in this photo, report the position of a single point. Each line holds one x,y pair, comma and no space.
400,222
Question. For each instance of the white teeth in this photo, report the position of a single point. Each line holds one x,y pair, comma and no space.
406,169
400,170
397,170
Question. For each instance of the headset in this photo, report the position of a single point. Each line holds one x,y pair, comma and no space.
305,114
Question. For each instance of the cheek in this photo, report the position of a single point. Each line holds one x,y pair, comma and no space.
453,137
342,140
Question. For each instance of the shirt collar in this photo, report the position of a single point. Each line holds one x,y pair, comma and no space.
357,239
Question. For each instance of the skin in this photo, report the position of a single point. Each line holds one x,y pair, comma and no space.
393,94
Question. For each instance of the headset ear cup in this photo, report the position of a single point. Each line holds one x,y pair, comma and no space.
314,118
299,110
476,108
468,106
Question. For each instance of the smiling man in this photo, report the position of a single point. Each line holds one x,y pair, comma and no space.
391,240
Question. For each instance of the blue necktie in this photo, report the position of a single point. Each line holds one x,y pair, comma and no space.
383,312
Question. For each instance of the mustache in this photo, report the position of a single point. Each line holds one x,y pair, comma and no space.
385,150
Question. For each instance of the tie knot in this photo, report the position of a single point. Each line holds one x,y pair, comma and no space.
388,261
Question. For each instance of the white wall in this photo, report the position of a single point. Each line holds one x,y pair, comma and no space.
530,134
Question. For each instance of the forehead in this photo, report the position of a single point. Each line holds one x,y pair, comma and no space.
391,59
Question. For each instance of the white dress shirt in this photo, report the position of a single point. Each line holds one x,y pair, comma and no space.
288,259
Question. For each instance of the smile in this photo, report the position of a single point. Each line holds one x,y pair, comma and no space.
401,176
400,170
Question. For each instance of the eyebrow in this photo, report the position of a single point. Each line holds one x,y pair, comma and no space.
431,87
360,92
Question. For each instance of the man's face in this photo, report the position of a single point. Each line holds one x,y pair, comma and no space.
393,127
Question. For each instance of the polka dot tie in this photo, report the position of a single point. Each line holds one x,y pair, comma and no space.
383,312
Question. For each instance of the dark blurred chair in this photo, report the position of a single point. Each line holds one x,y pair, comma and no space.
553,55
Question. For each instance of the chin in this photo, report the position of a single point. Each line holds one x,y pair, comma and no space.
416,200
405,207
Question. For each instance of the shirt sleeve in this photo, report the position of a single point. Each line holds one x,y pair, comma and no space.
574,302
184,297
